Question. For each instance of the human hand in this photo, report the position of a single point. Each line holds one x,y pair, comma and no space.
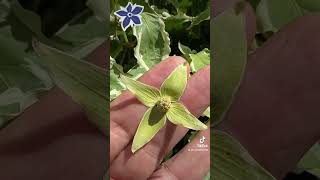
275,113
125,114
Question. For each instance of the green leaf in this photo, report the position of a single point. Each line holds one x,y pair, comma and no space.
203,16
20,78
181,5
90,30
99,7
199,60
230,161
264,23
13,101
175,84
178,114
230,55
310,5
177,22
83,81
311,161
153,43
83,37
186,51
152,121
31,20
280,13
148,95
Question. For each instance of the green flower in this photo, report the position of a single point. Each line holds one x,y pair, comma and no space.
163,104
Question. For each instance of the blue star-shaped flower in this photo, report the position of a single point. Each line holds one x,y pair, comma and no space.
130,15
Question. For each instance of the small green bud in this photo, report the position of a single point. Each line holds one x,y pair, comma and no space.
164,104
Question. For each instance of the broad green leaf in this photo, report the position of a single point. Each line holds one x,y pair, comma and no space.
153,120
181,5
178,114
9,101
177,22
196,60
200,60
31,20
153,43
175,84
311,161
310,5
82,33
264,23
13,101
148,95
83,81
229,58
275,14
78,39
230,161
203,16
100,8
20,78
84,49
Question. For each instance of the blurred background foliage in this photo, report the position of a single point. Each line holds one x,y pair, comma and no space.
71,26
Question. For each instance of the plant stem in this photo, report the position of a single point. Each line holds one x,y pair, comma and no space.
125,37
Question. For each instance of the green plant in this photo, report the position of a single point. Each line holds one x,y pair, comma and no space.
162,105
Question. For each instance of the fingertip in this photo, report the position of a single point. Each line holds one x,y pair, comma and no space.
176,60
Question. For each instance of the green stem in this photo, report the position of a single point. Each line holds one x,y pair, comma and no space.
125,37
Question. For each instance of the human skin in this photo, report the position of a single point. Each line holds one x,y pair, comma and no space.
53,139
274,114
277,143
125,115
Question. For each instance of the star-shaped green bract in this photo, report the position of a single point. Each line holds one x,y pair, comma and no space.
162,105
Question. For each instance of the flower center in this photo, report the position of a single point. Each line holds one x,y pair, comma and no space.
129,14
164,104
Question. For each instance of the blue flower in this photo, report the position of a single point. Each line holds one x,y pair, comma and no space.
130,15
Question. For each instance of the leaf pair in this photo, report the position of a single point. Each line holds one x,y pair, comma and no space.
162,105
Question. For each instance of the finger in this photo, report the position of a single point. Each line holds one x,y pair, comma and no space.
126,111
192,162
196,99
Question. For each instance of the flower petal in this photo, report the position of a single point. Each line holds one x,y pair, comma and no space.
175,83
148,95
178,114
129,7
121,13
136,20
153,120
125,23
137,10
